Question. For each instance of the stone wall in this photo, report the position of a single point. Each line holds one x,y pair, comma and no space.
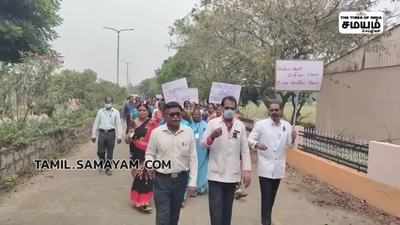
15,161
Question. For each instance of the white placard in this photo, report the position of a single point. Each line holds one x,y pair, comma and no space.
171,89
354,22
220,90
298,75
188,94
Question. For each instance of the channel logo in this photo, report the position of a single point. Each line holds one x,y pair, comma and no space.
353,22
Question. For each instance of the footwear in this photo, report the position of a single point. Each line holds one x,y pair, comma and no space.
240,194
202,191
194,195
108,172
146,209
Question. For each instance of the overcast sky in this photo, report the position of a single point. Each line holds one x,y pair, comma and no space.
85,44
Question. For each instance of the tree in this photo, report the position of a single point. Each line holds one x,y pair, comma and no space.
24,87
70,84
27,26
240,40
173,68
148,87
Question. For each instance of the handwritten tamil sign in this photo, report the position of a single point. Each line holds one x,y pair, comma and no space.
171,89
188,94
220,90
298,75
353,22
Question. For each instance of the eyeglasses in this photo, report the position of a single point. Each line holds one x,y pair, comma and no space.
142,110
178,114
274,110
229,108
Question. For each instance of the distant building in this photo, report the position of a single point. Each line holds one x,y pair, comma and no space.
360,93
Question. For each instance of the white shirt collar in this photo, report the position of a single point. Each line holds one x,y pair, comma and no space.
164,128
274,124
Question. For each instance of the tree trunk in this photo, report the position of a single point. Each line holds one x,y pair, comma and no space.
297,110
294,109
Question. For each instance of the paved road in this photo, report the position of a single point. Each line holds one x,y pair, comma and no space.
86,197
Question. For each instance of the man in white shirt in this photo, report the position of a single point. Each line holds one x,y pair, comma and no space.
107,126
272,137
175,144
226,139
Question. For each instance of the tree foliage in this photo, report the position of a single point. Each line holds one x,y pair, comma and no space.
27,26
239,41
34,86
24,87
85,86
148,87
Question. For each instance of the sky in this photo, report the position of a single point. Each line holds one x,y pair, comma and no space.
84,43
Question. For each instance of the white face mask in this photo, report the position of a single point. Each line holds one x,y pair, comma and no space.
229,114
108,105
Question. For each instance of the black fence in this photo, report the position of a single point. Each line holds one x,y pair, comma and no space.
345,151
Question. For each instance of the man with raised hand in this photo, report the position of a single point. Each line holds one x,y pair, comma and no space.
272,138
226,140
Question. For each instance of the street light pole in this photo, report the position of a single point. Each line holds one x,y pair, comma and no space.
127,74
118,57
118,31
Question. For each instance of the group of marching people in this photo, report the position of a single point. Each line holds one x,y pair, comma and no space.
209,152
142,117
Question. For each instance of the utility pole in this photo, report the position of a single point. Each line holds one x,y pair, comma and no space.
118,31
127,74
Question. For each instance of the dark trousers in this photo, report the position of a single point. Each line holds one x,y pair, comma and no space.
168,197
220,198
105,145
269,188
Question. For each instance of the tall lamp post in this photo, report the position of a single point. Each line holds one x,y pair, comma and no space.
127,73
118,31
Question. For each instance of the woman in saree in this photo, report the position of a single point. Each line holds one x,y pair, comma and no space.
142,186
199,127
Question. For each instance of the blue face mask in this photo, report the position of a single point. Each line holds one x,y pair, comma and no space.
229,114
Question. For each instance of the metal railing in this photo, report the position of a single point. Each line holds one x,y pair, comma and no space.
342,150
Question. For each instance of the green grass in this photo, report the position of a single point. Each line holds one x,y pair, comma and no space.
252,111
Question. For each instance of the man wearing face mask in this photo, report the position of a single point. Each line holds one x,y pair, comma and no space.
272,137
226,139
107,126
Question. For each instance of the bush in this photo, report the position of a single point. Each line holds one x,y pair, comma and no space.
19,133
307,124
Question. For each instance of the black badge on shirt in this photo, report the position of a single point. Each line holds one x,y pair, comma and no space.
235,133
284,128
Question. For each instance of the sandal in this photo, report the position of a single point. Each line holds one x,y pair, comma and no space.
146,209
240,195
